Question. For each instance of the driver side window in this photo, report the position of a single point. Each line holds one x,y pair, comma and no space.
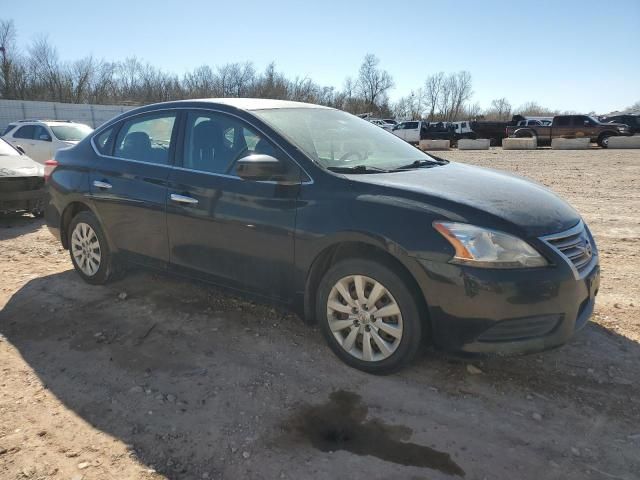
214,141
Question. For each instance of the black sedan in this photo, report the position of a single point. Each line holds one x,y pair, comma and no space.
385,247
21,182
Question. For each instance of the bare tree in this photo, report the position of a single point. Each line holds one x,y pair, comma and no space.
500,110
271,84
471,111
460,85
534,109
411,107
80,76
8,50
432,91
240,78
373,82
200,83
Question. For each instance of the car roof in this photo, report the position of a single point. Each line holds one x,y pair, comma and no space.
253,103
45,122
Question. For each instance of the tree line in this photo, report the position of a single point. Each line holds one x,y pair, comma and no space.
38,73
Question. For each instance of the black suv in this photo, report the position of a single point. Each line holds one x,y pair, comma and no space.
631,121
382,245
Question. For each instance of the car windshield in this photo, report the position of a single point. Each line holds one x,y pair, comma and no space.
6,149
334,138
71,133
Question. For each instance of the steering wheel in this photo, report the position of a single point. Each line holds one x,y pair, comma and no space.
351,153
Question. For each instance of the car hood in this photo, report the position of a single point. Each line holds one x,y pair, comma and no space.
472,192
19,166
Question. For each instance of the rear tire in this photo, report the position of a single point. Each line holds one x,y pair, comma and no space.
524,133
350,318
603,140
89,250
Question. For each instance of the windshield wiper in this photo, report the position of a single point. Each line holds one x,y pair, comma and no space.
358,169
421,164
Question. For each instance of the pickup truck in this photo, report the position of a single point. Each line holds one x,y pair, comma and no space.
570,126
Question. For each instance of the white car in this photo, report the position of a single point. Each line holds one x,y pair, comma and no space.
41,139
382,124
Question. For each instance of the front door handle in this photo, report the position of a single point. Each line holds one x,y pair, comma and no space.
104,185
183,199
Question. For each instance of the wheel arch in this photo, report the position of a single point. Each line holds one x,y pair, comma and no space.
608,133
520,131
388,254
70,211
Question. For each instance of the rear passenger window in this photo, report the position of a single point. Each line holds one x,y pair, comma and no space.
25,132
103,141
146,138
562,122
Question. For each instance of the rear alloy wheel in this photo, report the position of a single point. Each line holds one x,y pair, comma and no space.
89,250
369,316
85,249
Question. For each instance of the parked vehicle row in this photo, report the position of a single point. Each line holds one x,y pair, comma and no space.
415,130
40,139
570,126
383,246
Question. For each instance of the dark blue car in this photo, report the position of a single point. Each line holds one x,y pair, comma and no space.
383,246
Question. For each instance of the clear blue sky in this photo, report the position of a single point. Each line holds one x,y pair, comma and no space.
571,55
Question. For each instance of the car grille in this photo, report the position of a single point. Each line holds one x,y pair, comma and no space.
575,245
20,184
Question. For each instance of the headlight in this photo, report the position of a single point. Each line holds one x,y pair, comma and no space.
482,247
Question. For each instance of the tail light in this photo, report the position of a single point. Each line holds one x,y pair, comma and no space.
49,167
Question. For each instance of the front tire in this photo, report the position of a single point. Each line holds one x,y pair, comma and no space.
369,316
89,250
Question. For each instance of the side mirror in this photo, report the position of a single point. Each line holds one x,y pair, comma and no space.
21,150
44,137
259,167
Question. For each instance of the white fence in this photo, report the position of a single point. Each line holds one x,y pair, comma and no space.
92,115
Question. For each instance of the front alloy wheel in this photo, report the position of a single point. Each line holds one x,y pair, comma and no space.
370,314
364,318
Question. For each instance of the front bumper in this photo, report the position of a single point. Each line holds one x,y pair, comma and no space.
27,200
507,311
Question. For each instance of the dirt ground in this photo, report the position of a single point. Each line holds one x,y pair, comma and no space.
156,377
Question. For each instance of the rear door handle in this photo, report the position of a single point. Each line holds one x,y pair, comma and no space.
183,199
99,184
